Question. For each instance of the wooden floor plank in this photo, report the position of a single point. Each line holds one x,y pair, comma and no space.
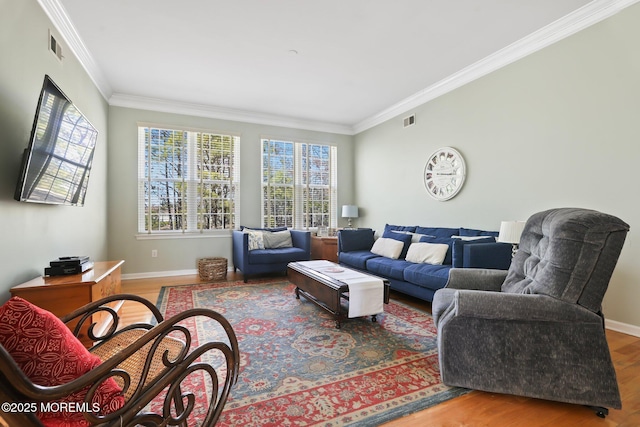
476,409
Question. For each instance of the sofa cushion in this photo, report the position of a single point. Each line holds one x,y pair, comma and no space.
356,259
390,227
49,354
391,268
472,237
427,275
458,249
448,258
276,256
415,237
387,247
437,231
401,237
474,232
429,253
356,240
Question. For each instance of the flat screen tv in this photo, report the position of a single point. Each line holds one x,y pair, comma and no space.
57,161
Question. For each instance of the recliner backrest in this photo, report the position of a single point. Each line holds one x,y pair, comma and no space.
569,254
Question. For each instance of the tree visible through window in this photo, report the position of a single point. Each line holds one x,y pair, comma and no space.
299,184
188,180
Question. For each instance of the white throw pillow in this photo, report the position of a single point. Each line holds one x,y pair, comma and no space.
427,253
386,247
277,239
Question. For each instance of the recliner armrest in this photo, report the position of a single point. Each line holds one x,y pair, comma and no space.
518,307
480,279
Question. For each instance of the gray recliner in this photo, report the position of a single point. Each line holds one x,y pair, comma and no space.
536,330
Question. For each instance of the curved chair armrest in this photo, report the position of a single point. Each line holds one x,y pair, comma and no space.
85,313
161,369
481,279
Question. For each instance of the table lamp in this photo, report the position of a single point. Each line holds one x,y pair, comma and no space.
510,232
350,212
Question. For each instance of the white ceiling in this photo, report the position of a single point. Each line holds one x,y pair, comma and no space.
358,62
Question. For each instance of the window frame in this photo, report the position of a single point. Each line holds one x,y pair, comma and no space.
300,183
193,179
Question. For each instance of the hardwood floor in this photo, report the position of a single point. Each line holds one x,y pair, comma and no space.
479,409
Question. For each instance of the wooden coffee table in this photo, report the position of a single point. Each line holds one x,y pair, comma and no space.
324,291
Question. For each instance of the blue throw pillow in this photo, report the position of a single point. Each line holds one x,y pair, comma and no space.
404,238
448,258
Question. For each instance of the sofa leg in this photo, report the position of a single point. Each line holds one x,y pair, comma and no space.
600,411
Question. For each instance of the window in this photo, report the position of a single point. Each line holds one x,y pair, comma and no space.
299,184
188,181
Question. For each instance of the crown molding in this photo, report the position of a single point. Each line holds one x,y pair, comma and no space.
570,24
566,26
58,15
201,110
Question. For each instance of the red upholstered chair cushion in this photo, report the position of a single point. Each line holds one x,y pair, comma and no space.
49,354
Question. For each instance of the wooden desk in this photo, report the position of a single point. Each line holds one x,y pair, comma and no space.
63,294
324,248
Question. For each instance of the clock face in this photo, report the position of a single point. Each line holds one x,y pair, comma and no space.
444,173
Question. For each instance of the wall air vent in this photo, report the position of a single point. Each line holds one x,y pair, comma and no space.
55,47
409,121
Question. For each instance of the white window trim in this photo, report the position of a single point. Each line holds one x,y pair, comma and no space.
298,186
189,233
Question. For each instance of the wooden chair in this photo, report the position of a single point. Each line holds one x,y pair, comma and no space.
149,361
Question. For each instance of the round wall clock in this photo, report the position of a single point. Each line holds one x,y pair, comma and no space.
444,173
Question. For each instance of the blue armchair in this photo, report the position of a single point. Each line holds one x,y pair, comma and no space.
269,260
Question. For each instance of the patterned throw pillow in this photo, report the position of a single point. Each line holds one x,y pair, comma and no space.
49,354
256,240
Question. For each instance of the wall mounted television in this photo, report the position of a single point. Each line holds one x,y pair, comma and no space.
57,161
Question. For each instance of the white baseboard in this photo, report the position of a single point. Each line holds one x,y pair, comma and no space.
153,274
624,328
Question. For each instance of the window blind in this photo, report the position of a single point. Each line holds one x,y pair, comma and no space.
188,180
299,182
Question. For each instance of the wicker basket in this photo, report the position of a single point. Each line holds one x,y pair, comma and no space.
212,268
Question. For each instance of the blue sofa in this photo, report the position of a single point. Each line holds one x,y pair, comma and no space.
269,260
473,249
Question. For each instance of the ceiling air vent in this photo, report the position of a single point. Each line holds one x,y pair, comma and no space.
54,46
409,121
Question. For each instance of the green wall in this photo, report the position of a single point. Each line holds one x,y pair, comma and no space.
33,234
180,255
558,128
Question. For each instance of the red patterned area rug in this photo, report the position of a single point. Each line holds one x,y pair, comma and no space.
297,369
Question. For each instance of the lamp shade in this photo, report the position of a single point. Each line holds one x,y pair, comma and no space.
349,211
510,231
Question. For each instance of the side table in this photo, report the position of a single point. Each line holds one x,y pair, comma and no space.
63,294
324,248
